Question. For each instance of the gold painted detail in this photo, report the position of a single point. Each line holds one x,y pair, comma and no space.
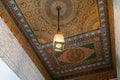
77,16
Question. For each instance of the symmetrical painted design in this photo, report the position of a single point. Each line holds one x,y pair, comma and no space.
76,17
74,55
97,58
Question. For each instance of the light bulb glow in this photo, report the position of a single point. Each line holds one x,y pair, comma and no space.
58,38
58,42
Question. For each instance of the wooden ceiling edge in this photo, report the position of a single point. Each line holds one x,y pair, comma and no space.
24,42
103,75
112,33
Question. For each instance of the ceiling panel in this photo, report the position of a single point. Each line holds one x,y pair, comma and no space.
85,25
76,17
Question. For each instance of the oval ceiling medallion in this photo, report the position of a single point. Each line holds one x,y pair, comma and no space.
67,13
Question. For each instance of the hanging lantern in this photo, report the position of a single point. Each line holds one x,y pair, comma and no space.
58,41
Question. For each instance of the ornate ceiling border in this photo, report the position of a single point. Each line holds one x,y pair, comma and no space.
13,7
21,39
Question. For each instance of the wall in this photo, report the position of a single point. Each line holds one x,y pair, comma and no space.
15,56
117,33
8,73
20,36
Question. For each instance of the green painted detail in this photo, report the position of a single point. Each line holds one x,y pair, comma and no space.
92,56
63,63
90,46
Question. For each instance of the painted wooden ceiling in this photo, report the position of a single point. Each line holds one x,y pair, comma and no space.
77,16
85,25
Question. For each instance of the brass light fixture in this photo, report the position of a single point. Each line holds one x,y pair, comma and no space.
58,41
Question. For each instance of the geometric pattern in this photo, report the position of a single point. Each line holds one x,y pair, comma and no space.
76,17
99,40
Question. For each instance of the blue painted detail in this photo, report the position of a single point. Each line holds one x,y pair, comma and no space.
13,5
101,11
11,1
107,62
15,8
80,36
17,11
22,20
34,40
20,17
101,8
75,38
105,46
43,55
36,43
26,26
28,30
105,41
103,29
41,51
31,35
102,16
19,14
24,23
39,47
